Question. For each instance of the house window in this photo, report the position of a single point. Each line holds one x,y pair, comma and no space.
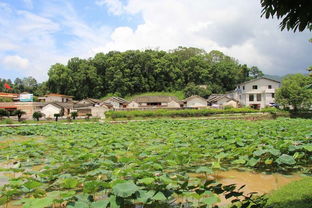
251,97
258,97
270,86
154,104
243,87
273,95
254,87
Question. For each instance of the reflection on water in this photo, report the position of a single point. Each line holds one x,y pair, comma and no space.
255,182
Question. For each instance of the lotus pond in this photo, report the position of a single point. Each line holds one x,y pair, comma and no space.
163,163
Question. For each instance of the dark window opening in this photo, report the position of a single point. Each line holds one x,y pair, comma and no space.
243,87
270,86
255,106
258,97
251,97
254,87
154,104
273,95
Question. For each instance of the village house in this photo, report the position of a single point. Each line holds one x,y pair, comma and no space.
53,97
23,101
117,102
9,96
257,93
50,109
155,102
93,107
28,107
222,100
195,101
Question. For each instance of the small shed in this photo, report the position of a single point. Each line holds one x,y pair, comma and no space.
54,108
156,102
195,101
117,102
222,100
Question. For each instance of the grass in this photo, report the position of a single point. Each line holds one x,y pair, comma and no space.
157,113
297,194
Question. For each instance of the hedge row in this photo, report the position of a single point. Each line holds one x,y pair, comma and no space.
181,113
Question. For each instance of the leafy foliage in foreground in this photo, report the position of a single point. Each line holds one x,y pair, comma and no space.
147,163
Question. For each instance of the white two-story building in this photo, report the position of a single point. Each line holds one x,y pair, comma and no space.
257,93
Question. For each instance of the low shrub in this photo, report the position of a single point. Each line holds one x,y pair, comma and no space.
177,113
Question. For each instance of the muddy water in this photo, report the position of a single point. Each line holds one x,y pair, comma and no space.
254,182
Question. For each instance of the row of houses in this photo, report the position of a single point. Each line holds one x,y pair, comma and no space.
257,93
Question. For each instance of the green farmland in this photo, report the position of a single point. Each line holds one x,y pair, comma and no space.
145,164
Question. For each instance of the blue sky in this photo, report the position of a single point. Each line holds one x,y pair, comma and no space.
34,34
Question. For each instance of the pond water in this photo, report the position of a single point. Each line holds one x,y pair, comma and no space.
261,183
255,182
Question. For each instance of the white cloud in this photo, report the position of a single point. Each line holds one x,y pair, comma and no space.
234,27
114,6
15,62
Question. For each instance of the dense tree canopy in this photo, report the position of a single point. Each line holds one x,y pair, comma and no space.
295,92
132,72
295,14
27,84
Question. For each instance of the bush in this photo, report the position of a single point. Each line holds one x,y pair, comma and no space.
37,115
74,115
175,113
227,107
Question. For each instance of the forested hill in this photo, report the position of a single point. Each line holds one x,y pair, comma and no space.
132,72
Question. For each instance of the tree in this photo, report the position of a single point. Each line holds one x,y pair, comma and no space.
133,72
74,115
57,115
88,116
255,72
3,113
19,114
310,70
295,14
192,89
294,92
37,115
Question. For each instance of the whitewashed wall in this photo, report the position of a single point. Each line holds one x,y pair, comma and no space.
196,102
50,110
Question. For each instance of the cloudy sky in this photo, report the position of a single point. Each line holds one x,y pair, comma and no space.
34,34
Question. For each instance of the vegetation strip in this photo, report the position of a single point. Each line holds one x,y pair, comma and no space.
147,163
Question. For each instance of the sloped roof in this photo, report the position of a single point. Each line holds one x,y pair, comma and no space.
194,96
61,105
8,95
217,97
156,99
116,99
89,101
258,79
58,95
